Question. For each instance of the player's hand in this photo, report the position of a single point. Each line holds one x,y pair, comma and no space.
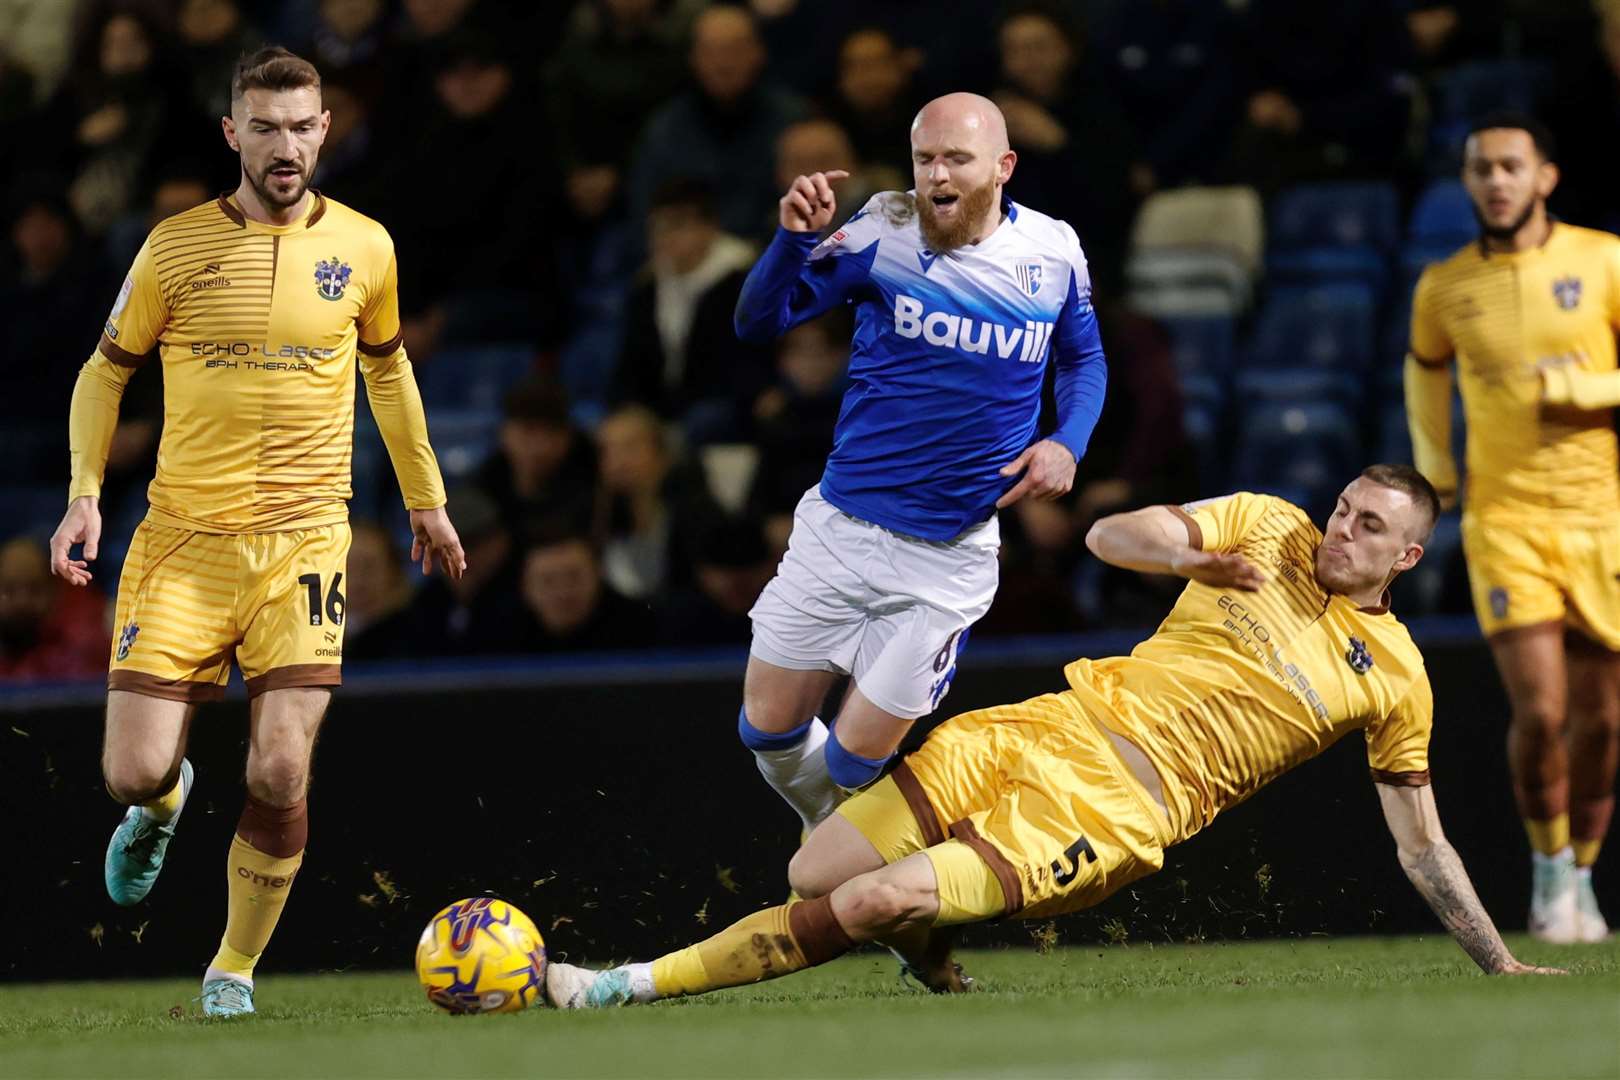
1217,570
1513,967
80,525
809,204
432,534
1048,469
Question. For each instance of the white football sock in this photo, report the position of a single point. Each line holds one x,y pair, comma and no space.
799,775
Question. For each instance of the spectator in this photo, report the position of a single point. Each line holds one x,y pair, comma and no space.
1443,33
794,420
1170,66
48,628
620,60
650,505
682,358
545,468
474,255
480,612
378,623
875,100
811,146
724,130
1076,151
178,186
732,567
1325,94
347,39
213,36
105,124
570,608
349,168
51,298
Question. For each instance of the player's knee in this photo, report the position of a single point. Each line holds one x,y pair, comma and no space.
277,778
1539,716
811,876
134,780
877,906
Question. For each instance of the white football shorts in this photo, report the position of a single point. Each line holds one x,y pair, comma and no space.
889,609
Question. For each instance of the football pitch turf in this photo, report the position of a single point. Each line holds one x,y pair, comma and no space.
1364,1007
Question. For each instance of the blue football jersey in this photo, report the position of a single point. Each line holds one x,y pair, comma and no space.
948,358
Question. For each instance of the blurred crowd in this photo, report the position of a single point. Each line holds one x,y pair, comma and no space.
576,191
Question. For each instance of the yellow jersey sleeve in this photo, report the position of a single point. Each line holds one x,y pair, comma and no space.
139,314
379,326
1430,344
1220,524
1398,743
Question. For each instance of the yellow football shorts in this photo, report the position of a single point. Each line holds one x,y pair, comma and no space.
189,602
1025,810
1524,573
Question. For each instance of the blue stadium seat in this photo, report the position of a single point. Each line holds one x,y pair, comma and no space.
1333,232
1443,218
1302,386
1394,445
1328,327
32,510
1200,344
463,438
473,377
1305,451
1203,412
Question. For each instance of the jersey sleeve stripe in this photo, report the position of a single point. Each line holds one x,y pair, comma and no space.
1195,533
1419,778
121,357
387,348
1423,361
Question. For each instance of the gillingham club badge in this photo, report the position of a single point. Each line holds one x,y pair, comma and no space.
331,278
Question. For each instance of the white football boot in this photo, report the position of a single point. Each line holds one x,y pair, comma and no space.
1554,910
1591,927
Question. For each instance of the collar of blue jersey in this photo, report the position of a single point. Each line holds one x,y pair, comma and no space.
1009,207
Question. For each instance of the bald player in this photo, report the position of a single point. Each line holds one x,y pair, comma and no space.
962,299
256,304
1281,644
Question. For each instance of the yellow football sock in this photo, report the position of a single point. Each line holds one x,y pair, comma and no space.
1586,851
764,945
164,807
259,884
1548,837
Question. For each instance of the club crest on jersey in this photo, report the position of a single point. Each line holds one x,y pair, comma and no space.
1029,277
126,640
1359,659
1567,291
331,278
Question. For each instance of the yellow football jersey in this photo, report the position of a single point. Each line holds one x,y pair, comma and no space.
1504,317
257,327
1235,688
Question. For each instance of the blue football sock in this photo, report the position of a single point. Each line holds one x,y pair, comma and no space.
851,771
755,739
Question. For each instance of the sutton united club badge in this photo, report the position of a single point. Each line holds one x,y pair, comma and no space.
1358,657
331,278
1567,291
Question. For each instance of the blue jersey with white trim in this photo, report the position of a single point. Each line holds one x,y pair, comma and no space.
948,358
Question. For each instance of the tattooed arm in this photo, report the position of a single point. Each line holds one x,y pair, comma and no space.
1435,870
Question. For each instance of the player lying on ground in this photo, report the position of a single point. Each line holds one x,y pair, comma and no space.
1281,643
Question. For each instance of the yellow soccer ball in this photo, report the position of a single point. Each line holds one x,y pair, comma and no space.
481,955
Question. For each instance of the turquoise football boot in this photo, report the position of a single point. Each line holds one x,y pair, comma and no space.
135,853
225,998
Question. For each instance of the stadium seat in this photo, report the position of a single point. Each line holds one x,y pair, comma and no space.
473,377
1333,232
462,439
1297,386
1443,218
1306,451
1201,344
1329,327
1203,413
1196,252
1420,589
1394,439
32,510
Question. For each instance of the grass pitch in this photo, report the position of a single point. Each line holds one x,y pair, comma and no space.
1310,1008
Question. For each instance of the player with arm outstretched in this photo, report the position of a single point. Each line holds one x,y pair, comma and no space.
256,304
1281,643
1527,315
962,297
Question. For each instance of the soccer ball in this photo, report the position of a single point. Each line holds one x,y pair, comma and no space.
481,955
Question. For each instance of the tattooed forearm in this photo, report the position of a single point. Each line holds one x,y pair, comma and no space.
1439,875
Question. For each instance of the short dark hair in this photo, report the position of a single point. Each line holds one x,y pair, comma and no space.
538,400
273,68
684,192
1518,120
1415,486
